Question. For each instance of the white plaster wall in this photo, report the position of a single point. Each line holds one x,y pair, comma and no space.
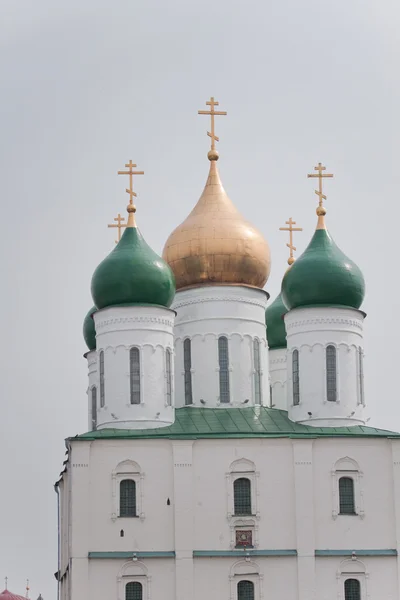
278,376
310,331
203,315
150,329
91,358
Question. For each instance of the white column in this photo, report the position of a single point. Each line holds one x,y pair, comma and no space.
91,358
150,330
204,314
309,332
278,375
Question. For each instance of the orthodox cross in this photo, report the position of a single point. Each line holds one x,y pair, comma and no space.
6,582
212,104
131,173
320,175
119,225
290,229
27,588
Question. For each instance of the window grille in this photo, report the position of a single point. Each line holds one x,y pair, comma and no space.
134,368
245,590
127,498
331,388
346,496
102,389
361,374
257,371
352,589
242,496
94,407
133,591
223,358
187,367
169,376
296,377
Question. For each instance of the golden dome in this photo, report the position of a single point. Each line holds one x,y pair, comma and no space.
215,245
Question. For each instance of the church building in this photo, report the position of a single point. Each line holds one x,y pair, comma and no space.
227,455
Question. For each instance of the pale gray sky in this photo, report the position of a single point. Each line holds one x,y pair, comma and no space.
85,86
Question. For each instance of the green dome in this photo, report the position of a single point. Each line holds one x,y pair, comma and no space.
276,332
132,274
323,275
89,331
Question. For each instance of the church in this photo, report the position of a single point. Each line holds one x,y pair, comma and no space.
228,454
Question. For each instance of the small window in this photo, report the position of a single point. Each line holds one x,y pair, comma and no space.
245,590
169,376
331,389
94,407
223,359
257,371
187,367
361,374
127,498
102,389
134,368
134,591
242,496
346,496
352,589
296,377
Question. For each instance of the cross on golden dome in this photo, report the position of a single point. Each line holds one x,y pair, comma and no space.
131,207
213,153
290,229
120,225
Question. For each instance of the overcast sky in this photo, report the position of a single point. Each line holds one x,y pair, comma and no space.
85,86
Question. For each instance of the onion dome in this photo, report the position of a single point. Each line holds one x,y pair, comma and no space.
89,331
7,595
276,332
215,244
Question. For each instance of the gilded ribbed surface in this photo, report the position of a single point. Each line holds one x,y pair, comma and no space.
216,245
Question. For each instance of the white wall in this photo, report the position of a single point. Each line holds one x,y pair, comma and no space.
278,377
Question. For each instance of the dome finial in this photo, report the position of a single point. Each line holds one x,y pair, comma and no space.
213,153
321,210
131,208
120,225
290,229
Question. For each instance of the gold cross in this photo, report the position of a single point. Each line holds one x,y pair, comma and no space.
290,229
6,580
119,225
131,173
319,193
213,154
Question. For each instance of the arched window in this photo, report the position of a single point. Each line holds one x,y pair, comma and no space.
352,589
94,407
361,374
346,496
127,498
223,359
102,389
187,367
242,496
296,377
169,376
245,590
331,388
134,591
257,371
134,370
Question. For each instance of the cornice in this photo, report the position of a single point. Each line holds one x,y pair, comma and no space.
202,299
131,320
323,321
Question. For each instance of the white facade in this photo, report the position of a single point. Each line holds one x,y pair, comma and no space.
278,376
313,333
203,316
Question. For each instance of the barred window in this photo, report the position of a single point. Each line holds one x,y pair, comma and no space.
331,388
102,389
257,371
187,367
346,496
134,591
296,377
242,496
245,590
223,358
352,589
127,498
134,369
169,376
361,374
94,407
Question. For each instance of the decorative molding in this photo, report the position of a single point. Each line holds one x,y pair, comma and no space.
200,300
277,361
127,320
131,555
325,321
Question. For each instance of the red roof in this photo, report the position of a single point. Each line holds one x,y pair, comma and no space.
7,595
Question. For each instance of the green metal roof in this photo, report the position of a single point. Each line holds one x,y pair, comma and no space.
252,422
